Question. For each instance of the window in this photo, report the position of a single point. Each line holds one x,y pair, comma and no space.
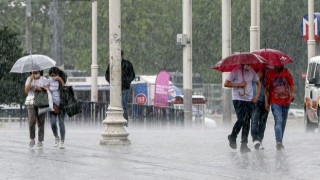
311,71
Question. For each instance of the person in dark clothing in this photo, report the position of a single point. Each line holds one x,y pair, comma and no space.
127,76
260,114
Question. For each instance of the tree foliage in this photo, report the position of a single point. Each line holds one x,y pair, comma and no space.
12,85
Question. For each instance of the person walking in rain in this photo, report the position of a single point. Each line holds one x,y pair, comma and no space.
57,81
241,81
279,93
34,82
127,76
260,114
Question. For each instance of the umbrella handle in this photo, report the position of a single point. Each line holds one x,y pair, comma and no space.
244,89
244,92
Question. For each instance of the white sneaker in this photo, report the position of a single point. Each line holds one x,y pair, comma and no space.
256,144
261,147
40,145
32,143
61,145
56,141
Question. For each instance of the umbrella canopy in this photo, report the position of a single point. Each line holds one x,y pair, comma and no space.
234,60
274,57
33,62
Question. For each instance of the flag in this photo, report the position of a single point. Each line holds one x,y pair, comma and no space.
161,89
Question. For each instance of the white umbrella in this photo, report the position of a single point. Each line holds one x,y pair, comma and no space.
33,62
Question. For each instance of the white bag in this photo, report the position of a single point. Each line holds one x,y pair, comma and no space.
50,101
29,101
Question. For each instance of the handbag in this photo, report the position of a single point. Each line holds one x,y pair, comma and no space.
29,101
73,108
56,109
68,102
41,98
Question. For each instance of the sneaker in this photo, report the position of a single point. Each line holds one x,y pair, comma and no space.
32,143
279,146
61,145
40,145
56,141
244,148
261,147
256,144
232,142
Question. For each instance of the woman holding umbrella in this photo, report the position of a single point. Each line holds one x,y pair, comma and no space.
34,63
34,82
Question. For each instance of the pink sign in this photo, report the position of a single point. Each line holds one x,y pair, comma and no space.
161,89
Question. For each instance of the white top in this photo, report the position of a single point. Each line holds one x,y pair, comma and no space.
237,76
42,82
54,90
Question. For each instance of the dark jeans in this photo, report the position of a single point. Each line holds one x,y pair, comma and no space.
244,111
125,99
259,120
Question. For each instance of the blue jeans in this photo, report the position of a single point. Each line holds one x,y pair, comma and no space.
259,120
280,114
53,121
125,99
244,111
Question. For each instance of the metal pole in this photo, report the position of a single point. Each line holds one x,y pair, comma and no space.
94,65
311,42
258,22
28,26
254,28
114,132
187,61
226,51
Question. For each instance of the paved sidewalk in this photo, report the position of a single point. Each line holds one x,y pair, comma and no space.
160,153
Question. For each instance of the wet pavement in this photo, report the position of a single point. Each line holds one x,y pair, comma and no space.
158,153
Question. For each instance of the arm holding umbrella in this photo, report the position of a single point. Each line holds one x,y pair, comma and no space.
28,86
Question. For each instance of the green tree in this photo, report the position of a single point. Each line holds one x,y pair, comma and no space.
12,84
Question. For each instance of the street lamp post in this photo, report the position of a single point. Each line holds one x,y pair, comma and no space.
226,51
254,28
187,61
114,132
311,42
94,65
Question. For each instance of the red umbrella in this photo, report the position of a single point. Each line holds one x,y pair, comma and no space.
274,57
234,60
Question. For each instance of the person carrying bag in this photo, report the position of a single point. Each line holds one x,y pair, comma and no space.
57,80
35,82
